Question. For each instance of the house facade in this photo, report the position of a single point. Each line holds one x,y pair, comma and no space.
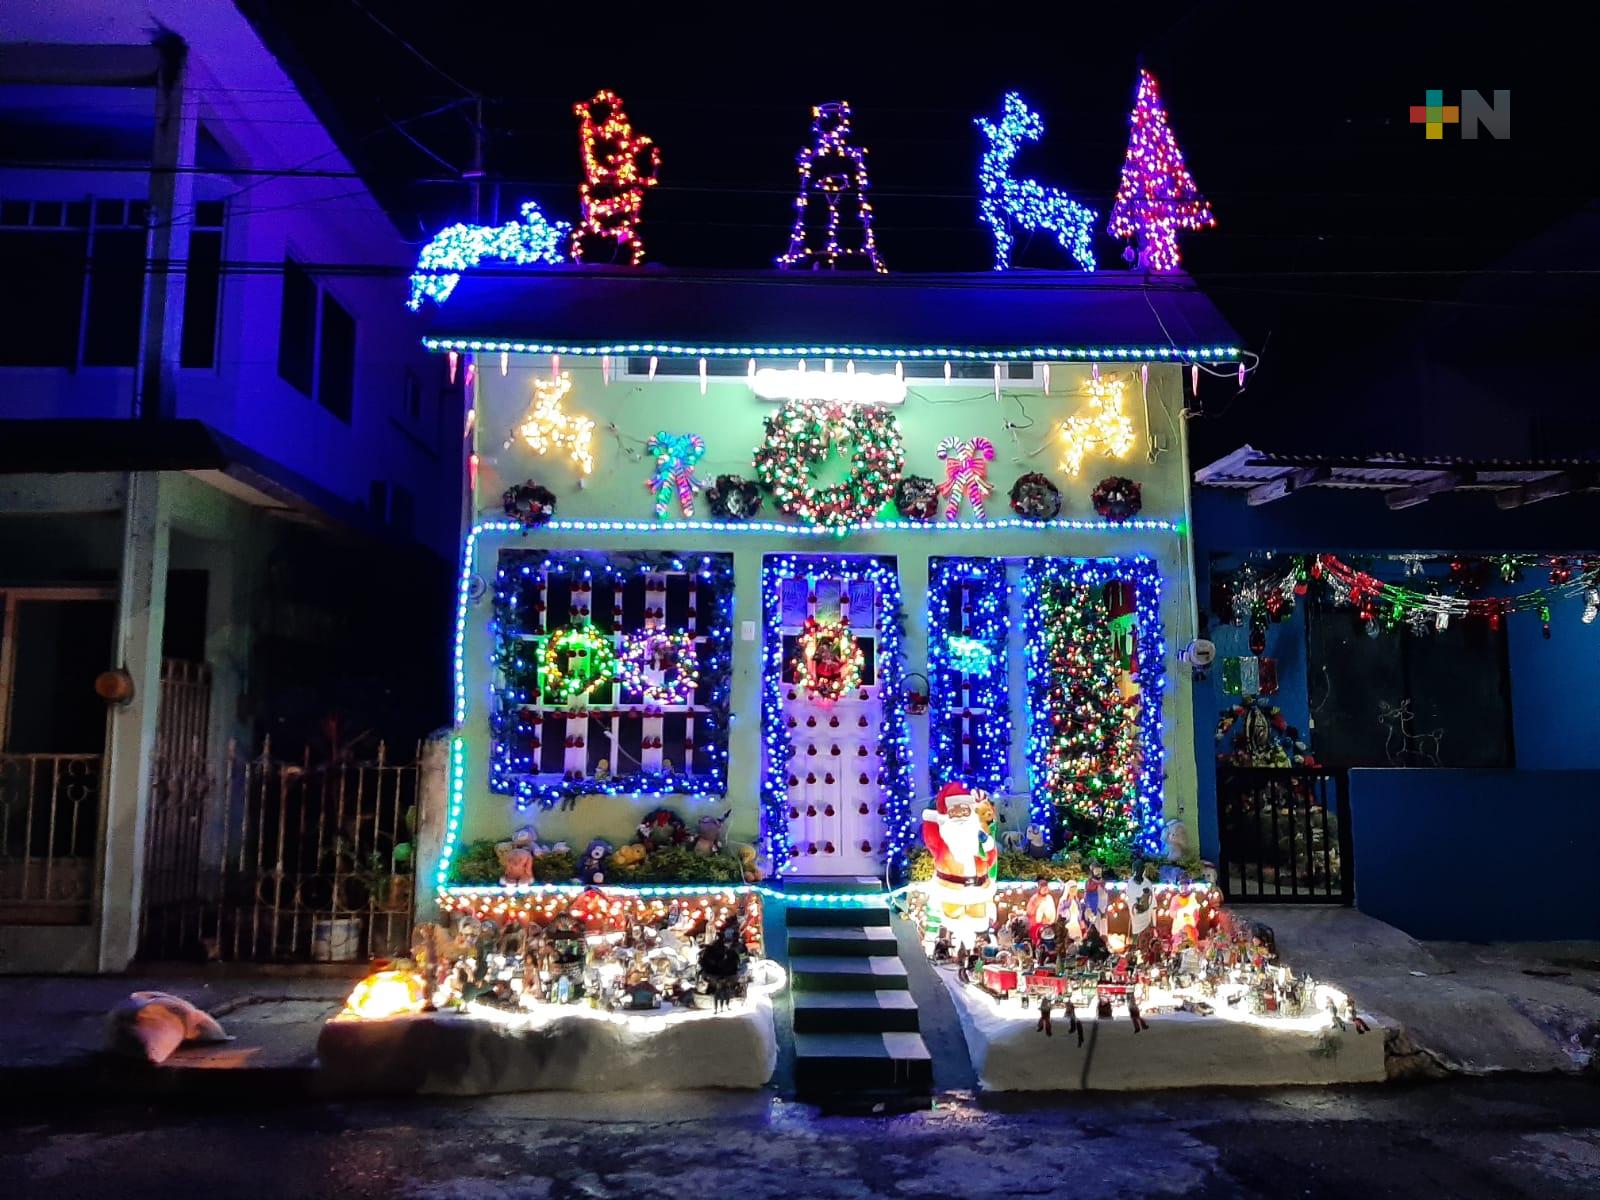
224,454
745,546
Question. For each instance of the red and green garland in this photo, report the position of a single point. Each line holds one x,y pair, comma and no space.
804,434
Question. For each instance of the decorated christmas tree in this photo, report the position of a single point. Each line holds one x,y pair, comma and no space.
825,236
1091,762
1156,196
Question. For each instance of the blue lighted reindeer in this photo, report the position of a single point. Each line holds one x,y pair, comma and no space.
1023,201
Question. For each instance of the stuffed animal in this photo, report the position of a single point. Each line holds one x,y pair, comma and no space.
709,839
662,828
151,1025
749,866
1035,845
630,855
516,857
593,867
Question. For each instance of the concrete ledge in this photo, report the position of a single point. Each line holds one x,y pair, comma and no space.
1178,1050
573,1048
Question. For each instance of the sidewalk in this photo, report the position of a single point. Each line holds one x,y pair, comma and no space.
1461,1008
52,1038
1473,1009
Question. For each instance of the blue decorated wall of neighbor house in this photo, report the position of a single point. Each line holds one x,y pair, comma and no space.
1019,415
1416,830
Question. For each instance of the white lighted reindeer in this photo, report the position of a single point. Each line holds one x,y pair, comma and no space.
1025,202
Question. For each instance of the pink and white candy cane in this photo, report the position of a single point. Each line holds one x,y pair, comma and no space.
966,473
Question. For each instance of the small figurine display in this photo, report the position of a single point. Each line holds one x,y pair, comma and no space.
662,828
1140,945
688,955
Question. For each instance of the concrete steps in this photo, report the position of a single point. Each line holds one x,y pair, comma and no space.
856,1029
855,1012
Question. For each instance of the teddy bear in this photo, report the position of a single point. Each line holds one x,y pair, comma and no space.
749,866
593,867
708,839
630,855
516,857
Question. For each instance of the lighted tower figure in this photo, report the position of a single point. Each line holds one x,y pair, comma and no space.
1156,196
618,165
836,172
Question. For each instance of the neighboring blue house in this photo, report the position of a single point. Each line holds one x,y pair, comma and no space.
1456,469
231,475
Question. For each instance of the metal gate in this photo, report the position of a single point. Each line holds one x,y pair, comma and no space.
264,860
1285,835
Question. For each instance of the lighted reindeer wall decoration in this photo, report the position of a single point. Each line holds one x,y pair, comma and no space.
618,165
1025,202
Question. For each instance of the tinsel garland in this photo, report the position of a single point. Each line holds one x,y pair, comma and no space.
1034,497
1117,498
732,497
917,498
530,503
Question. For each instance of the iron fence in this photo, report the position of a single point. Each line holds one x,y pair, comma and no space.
265,860
1285,835
49,828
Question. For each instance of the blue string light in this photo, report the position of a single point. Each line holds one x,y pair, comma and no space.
894,777
1042,574
1009,524
459,247
1101,354
969,719
1025,202
520,578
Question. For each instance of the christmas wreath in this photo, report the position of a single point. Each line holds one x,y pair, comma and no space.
1117,499
530,504
734,497
1033,496
803,433
673,654
917,498
830,661
591,662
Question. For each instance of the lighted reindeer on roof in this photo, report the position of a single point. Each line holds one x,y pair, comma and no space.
1026,203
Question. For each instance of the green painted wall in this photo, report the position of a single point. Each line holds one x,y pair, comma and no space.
729,417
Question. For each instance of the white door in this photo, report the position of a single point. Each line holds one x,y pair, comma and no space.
835,804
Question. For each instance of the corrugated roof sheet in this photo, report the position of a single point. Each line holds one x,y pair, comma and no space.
1009,312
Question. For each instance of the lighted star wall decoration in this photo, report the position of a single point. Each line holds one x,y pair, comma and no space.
546,428
1100,427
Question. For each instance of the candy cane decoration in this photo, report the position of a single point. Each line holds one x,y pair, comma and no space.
676,455
966,473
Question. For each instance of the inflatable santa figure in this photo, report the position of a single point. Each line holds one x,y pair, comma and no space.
964,852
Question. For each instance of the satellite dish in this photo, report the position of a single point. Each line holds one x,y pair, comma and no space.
1199,653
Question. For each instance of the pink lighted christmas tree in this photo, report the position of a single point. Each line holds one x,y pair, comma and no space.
1157,196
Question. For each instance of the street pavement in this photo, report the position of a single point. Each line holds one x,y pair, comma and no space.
1501,1137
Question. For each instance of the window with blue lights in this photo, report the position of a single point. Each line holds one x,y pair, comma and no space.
612,673
969,721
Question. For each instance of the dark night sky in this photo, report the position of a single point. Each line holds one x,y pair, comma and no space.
1293,119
